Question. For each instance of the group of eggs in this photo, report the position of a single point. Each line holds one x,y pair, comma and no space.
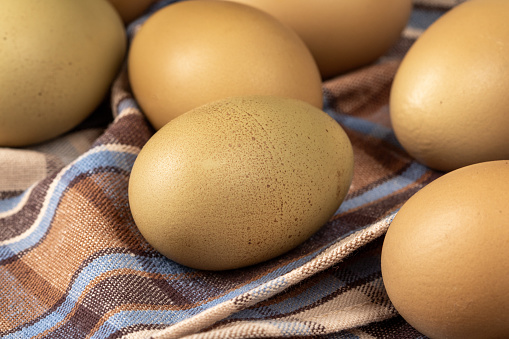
245,165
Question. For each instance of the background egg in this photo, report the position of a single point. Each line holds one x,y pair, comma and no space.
239,181
57,61
449,102
444,258
193,52
341,34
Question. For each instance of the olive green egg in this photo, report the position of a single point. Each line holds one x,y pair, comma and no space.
57,61
239,181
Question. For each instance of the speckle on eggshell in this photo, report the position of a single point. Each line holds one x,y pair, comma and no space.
203,180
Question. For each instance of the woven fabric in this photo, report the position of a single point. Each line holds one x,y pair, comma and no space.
73,264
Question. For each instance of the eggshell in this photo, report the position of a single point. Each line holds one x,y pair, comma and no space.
239,181
445,256
194,52
449,102
341,34
131,9
57,61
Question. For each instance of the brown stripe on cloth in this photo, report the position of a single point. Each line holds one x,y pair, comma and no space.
78,271
62,241
132,119
333,254
7,194
354,299
16,221
93,219
375,160
393,328
122,289
362,92
35,294
139,129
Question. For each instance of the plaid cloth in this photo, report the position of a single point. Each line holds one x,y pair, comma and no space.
73,264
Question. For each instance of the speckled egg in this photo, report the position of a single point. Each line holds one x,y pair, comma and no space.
239,181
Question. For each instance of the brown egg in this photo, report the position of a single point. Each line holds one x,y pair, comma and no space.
57,61
239,181
341,34
445,256
449,102
193,52
131,9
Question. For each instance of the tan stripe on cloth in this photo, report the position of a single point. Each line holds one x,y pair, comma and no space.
22,167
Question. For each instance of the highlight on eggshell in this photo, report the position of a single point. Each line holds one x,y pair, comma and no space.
449,102
193,52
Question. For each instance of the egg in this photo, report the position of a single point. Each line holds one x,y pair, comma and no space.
57,61
341,34
239,181
131,9
448,103
193,52
445,255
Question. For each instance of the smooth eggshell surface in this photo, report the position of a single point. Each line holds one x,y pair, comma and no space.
445,256
193,52
57,61
449,102
341,34
239,181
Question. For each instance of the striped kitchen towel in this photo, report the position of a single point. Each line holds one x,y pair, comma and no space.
73,264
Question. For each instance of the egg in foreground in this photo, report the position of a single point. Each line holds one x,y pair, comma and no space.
239,181
445,256
449,102
190,53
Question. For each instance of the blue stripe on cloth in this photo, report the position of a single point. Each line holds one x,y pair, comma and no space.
106,158
150,317
365,127
126,104
260,288
94,270
11,203
423,18
328,285
124,319
413,173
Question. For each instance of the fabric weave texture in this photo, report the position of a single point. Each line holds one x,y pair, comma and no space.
73,264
